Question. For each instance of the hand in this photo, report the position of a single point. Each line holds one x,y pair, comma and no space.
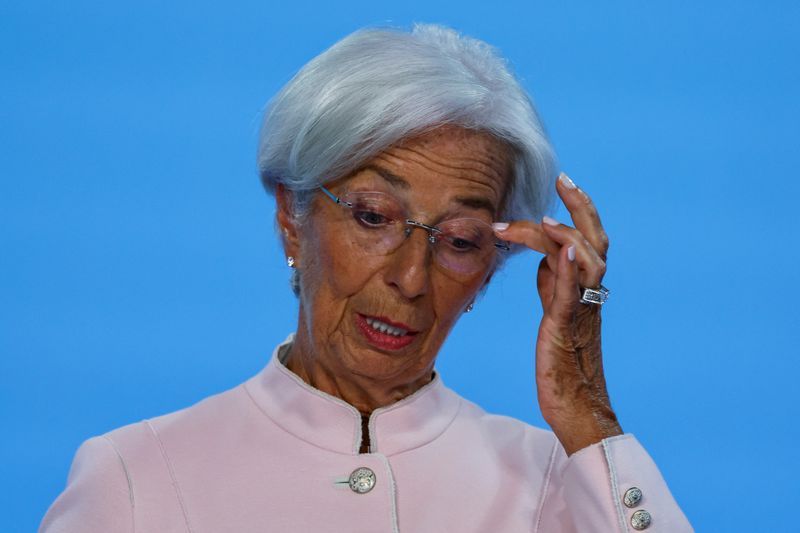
569,361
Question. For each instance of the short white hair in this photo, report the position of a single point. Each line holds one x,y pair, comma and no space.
378,86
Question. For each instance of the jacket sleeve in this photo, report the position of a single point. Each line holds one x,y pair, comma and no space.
98,495
612,486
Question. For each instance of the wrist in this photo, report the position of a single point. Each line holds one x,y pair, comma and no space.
575,433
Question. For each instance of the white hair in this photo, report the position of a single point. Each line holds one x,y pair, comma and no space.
378,86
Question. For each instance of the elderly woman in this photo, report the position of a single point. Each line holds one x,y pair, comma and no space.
405,167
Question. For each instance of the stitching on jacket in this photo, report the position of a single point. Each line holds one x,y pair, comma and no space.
459,408
408,400
357,436
546,485
612,469
171,474
127,478
392,493
266,414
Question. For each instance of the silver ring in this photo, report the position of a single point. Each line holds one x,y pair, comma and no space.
594,296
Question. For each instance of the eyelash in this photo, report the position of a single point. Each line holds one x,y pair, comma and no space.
361,218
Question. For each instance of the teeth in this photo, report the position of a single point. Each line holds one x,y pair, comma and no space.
386,328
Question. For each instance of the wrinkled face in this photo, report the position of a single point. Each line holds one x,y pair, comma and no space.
349,294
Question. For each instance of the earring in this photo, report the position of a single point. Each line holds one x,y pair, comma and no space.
470,307
290,261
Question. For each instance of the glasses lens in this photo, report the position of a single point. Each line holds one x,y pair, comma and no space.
377,221
465,245
378,225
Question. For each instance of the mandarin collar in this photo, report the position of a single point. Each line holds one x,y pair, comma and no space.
331,423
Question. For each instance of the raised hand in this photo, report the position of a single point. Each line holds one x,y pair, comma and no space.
569,359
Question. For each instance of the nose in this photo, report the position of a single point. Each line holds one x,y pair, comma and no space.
409,265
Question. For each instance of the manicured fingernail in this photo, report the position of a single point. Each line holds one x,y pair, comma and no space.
566,182
500,226
550,221
571,253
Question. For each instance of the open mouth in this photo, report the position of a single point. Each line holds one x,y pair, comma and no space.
383,333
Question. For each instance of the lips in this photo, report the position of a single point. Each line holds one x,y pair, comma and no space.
383,333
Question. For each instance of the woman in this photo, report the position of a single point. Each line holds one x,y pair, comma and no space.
405,167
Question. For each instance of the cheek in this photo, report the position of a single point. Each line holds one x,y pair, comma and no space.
451,297
335,269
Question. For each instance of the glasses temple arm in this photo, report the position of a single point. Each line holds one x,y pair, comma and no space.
330,195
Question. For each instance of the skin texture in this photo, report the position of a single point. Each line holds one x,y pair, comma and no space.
339,280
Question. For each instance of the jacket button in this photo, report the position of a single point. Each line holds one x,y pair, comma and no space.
641,520
632,497
362,480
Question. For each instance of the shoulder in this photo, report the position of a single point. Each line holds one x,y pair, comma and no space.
146,442
508,437
144,450
502,427
133,468
99,495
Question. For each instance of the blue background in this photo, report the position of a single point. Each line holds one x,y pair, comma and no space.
140,272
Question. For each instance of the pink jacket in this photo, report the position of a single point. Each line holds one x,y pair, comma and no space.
275,454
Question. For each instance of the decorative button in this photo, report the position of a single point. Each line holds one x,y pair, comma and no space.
362,480
641,520
632,497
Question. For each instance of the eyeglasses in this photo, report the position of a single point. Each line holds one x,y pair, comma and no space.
380,224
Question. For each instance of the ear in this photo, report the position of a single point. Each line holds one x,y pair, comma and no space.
287,222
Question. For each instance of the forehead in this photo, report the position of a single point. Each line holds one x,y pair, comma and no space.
448,164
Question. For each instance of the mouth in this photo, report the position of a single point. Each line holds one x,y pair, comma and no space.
383,333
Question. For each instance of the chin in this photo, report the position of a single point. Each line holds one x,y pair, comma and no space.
406,365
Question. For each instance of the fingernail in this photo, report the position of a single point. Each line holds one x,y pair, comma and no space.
550,221
566,182
571,253
500,226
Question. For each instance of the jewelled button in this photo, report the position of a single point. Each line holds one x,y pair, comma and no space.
632,497
641,520
362,480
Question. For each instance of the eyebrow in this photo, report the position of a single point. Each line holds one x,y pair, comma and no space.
473,202
476,202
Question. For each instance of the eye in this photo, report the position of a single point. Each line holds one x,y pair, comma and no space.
461,244
371,219
465,235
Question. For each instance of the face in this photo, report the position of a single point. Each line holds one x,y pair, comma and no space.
447,174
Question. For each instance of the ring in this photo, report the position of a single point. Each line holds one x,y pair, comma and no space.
594,296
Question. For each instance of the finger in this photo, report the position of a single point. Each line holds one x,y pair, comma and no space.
531,235
527,233
583,213
592,267
565,291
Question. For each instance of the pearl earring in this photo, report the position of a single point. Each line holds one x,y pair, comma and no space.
290,261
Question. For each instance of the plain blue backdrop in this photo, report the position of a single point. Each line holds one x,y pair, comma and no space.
140,272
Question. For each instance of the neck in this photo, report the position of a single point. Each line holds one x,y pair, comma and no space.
321,369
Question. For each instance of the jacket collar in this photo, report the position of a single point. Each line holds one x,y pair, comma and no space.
329,422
